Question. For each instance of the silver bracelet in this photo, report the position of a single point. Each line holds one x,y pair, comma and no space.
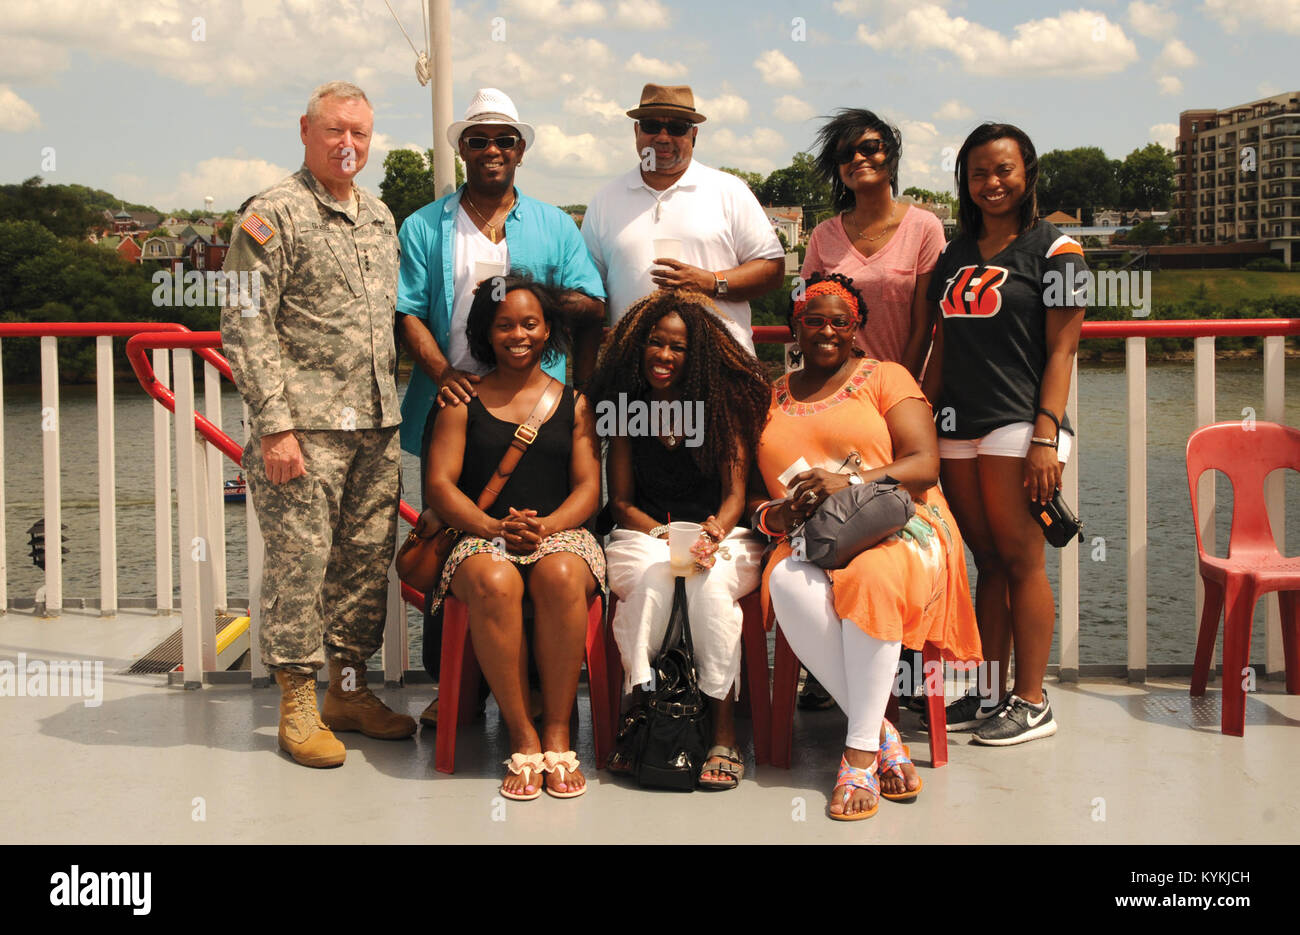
658,531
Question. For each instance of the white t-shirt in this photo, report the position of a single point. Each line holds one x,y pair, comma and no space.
715,216
472,247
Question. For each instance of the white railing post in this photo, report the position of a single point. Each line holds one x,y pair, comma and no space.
1203,376
256,549
162,486
1135,365
215,494
52,485
1274,496
1069,557
106,432
4,544
196,656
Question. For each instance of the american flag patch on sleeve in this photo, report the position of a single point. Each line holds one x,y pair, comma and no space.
257,228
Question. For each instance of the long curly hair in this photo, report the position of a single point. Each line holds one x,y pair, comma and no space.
718,370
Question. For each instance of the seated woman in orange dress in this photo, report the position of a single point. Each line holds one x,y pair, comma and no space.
842,419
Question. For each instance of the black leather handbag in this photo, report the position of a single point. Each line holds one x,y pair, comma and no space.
1059,523
666,737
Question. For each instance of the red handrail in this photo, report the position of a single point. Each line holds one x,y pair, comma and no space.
107,329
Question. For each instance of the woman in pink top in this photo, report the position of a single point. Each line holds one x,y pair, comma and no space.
886,248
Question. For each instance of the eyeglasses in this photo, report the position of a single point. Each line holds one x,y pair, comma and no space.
505,142
652,127
818,322
867,149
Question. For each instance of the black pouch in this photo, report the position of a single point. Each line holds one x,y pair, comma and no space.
1058,521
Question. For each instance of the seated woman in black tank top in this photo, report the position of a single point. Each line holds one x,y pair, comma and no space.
670,350
530,540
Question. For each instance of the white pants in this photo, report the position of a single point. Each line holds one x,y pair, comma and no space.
856,669
642,580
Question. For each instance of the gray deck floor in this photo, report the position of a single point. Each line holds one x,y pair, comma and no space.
1146,758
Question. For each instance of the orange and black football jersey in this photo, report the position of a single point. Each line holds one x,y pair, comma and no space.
994,314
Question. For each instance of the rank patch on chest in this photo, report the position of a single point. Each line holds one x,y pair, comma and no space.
257,228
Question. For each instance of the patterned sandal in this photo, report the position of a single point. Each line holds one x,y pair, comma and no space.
529,765
565,763
856,778
893,755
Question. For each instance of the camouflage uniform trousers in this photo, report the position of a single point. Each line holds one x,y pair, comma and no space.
330,537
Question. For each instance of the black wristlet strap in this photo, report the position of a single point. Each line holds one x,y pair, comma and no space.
1051,415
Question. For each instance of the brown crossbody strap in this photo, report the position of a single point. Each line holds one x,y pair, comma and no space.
525,434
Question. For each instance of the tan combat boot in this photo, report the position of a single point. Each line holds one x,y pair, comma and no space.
302,734
359,709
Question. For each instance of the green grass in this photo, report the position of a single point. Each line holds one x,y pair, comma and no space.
1223,287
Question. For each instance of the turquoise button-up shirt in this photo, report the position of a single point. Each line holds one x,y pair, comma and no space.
544,242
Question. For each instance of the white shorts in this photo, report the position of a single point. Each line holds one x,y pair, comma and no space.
1009,441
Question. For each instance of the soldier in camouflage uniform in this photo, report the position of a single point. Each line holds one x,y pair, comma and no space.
313,356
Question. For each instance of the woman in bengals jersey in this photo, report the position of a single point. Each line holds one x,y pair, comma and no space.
999,374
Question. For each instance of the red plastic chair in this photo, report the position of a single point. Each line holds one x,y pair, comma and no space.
1253,567
785,685
459,679
756,687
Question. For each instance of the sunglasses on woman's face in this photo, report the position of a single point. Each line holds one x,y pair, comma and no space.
652,127
867,149
818,322
504,143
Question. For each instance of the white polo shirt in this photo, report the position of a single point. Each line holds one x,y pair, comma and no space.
714,214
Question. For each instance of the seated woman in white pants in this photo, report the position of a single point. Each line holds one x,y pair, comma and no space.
845,419
683,405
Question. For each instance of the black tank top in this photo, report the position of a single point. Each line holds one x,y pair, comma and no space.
541,480
668,482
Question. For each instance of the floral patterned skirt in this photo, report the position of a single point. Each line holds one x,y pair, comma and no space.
578,541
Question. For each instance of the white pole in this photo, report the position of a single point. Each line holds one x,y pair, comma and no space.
215,494
444,156
162,486
53,498
1136,369
1203,377
187,509
255,557
107,439
204,553
4,546
1274,495
1069,557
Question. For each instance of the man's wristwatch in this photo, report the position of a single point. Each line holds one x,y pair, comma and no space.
855,479
719,285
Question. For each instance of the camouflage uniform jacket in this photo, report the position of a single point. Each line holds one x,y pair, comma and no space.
315,350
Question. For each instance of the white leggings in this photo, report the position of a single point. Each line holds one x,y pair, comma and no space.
858,670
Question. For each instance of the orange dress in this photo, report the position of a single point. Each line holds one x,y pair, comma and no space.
911,587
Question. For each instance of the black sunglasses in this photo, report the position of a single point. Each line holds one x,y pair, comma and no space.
505,142
867,149
652,127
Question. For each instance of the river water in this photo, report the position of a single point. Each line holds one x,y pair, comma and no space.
1102,457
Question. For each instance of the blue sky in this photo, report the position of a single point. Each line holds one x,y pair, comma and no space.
166,101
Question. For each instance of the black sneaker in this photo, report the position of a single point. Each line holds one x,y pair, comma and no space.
1017,721
966,713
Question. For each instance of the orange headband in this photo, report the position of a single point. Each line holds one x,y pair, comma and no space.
826,287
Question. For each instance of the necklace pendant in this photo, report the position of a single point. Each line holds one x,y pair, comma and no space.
492,233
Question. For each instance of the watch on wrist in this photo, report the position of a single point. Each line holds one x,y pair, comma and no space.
719,285
855,479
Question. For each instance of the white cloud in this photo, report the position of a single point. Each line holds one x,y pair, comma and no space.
1151,19
654,67
591,103
16,115
1273,15
555,12
953,110
1267,89
778,70
582,155
753,152
30,60
1077,42
924,153
642,14
727,107
1175,54
876,7
1163,133
789,109
229,181
381,144
1169,84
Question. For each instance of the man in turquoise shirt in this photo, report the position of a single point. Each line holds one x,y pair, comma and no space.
483,229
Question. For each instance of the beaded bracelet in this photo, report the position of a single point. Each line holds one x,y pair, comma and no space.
658,531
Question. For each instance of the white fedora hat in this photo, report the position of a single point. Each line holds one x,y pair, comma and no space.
490,107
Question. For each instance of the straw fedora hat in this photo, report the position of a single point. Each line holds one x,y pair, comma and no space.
493,108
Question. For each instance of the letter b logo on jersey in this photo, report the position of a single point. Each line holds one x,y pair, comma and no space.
974,291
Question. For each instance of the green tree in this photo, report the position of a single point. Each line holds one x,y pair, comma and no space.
753,179
55,207
798,184
924,194
1077,180
1147,232
1146,178
408,182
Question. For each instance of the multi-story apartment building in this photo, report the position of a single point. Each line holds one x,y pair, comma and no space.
1237,175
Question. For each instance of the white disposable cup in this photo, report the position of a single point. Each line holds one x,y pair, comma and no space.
668,248
486,269
681,536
